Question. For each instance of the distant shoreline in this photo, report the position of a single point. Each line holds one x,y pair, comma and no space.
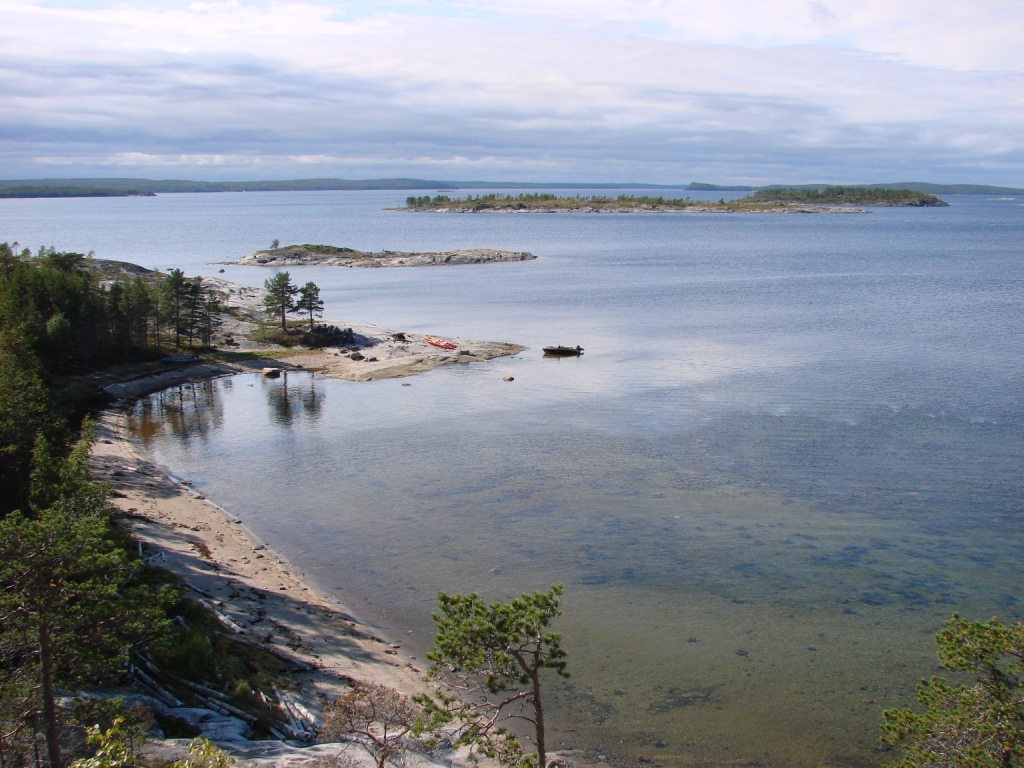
828,200
640,211
106,187
36,192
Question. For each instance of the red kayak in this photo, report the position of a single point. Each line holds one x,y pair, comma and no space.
439,343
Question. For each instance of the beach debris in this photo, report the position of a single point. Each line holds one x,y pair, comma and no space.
300,718
222,618
508,378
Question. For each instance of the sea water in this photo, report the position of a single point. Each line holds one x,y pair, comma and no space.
792,448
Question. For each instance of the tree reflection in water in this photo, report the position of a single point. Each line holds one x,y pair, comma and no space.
190,411
289,399
193,410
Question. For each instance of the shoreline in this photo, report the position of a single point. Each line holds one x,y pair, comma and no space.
174,521
259,594
269,599
378,356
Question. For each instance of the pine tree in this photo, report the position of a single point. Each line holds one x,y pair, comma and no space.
64,603
280,298
309,301
979,724
494,655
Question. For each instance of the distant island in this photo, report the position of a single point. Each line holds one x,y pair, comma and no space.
871,196
333,256
40,190
810,200
120,187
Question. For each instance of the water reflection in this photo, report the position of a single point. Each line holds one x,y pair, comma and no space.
190,411
292,396
739,584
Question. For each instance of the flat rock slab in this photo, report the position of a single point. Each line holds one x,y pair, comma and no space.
331,256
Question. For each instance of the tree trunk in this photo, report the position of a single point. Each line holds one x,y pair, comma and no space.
538,718
49,707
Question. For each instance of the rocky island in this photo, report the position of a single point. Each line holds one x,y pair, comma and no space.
333,256
809,200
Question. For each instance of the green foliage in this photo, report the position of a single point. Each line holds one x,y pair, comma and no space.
73,320
26,417
203,754
114,749
280,298
68,605
979,724
493,655
118,734
309,301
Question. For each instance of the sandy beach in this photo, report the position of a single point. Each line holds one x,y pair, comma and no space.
218,557
244,580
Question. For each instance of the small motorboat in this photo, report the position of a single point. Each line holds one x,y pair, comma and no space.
563,351
440,343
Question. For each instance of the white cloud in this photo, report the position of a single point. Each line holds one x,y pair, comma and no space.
611,89
984,34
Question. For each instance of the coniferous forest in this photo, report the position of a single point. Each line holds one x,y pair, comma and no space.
73,597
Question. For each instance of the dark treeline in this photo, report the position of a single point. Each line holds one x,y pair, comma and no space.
74,320
535,198
765,198
850,195
59,317
47,191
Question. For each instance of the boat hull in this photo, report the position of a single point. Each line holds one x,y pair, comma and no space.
563,351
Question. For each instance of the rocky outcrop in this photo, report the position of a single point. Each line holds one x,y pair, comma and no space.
325,255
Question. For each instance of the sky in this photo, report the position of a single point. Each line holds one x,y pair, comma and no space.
657,91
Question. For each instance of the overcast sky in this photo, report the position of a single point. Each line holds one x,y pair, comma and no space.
663,91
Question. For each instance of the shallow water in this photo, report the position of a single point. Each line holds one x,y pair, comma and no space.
792,447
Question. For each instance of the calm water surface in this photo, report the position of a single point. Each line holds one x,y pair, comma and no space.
793,447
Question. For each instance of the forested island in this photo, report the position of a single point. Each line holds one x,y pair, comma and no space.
872,196
804,200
